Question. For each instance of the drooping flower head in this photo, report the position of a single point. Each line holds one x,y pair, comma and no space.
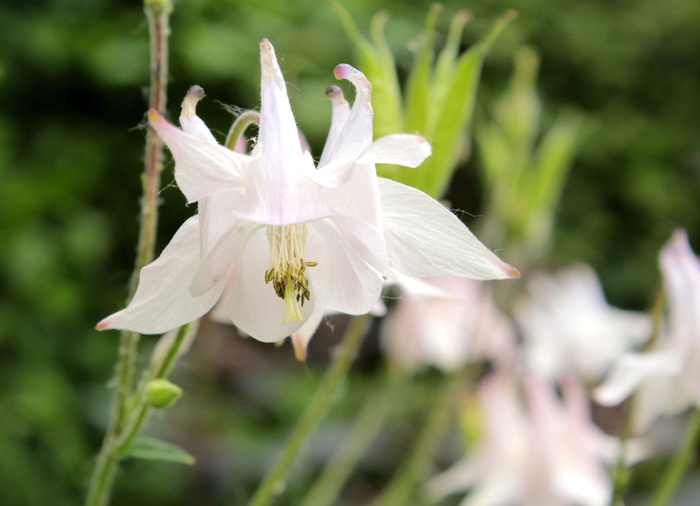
546,451
569,327
666,378
280,238
446,322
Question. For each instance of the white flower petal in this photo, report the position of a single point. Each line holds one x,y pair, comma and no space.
162,301
201,167
276,196
222,256
217,217
343,280
356,133
220,311
278,129
340,114
632,370
400,149
681,272
425,239
663,396
301,338
281,190
255,307
357,197
189,121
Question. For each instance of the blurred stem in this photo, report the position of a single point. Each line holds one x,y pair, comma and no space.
363,431
158,14
415,468
318,406
680,463
621,475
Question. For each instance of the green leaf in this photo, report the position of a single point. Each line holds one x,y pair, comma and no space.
554,159
418,85
389,119
445,67
452,123
147,448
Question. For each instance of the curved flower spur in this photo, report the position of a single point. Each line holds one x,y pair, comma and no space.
277,239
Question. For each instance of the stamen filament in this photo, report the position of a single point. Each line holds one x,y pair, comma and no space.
287,270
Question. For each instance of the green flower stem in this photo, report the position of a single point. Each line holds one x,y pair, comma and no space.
621,474
119,443
165,367
417,466
315,411
680,463
239,126
140,412
367,424
158,14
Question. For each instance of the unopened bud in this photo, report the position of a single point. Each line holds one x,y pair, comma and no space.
161,394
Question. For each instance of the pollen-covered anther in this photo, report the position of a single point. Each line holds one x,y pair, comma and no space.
287,270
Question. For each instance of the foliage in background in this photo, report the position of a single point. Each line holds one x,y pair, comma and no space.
438,102
523,169
71,101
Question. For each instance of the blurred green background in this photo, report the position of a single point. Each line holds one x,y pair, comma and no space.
73,77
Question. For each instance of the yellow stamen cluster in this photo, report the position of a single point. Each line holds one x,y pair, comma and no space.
287,270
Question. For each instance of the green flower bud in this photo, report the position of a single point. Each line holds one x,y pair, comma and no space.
161,393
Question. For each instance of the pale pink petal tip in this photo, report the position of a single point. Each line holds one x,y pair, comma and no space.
189,104
511,271
357,78
299,344
103,325
344,71
335,93
268,61
153,116
266,46
680,242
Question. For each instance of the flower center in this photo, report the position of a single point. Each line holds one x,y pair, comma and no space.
288,268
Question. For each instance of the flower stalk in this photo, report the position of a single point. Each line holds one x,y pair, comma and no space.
140,412
316,409
681,460
367,424
417,465
158,15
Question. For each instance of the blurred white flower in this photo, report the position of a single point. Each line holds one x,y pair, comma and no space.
281,236
446,322
667,377
568,326
547,452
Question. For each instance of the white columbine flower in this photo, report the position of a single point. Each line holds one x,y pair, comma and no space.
568,325
446,322
667,378
283,236
548,452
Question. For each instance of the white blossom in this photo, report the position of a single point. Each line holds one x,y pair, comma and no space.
546,451
282,239
666,379
446,322
568,326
